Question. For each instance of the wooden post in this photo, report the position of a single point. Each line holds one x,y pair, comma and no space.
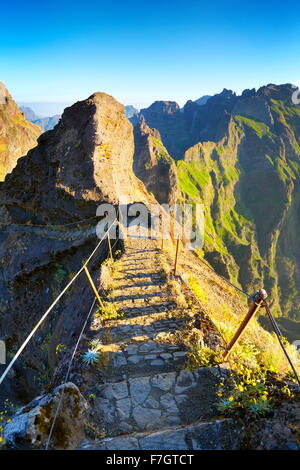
109,246
258,301
176,257
93,286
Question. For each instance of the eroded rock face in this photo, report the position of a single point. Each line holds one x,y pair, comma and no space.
31,425
17,135
87,158
153,164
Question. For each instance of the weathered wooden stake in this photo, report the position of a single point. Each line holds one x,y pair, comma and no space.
176,257
93,287
109,246
258,300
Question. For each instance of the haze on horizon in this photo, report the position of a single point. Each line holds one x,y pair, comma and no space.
55,54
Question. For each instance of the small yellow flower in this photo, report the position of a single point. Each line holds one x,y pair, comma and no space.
230,398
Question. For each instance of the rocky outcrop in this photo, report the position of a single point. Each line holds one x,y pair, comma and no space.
31,425
85,160
17,135
153,164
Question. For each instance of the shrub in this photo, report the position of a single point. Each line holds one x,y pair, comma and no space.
252,392
202,356
108,311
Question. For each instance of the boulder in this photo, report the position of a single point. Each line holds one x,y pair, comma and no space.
31,425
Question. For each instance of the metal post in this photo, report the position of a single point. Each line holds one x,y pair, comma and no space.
109,246
258,300
93,287
176,257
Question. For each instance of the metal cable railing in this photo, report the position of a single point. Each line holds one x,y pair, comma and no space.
257,301
42,319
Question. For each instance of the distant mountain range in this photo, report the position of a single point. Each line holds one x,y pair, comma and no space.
29,113
130,111
46,123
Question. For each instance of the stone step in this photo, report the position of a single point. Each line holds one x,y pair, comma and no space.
137,288
138,297
125,331
141,276
161,307
139,365
220,434
156,401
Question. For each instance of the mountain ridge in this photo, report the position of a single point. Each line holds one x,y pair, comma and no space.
240,156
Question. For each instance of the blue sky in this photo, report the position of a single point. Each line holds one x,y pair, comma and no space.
62,51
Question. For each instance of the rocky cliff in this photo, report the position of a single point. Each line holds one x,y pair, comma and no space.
17,135
153,164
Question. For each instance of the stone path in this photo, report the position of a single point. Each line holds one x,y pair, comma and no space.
141,294
147,387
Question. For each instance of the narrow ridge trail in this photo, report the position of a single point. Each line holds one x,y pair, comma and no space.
149,399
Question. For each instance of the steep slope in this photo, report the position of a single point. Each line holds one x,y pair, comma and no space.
250,184
17,135
153,164
243,163
85,161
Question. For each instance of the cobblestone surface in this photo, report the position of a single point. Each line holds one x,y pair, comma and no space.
146,386
214,435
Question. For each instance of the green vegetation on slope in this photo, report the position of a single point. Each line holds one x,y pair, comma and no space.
260,128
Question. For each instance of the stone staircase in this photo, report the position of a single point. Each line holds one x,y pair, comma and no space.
149,399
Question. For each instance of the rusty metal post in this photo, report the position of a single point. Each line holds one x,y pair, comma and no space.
176,257
93,287
109,246
258,300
